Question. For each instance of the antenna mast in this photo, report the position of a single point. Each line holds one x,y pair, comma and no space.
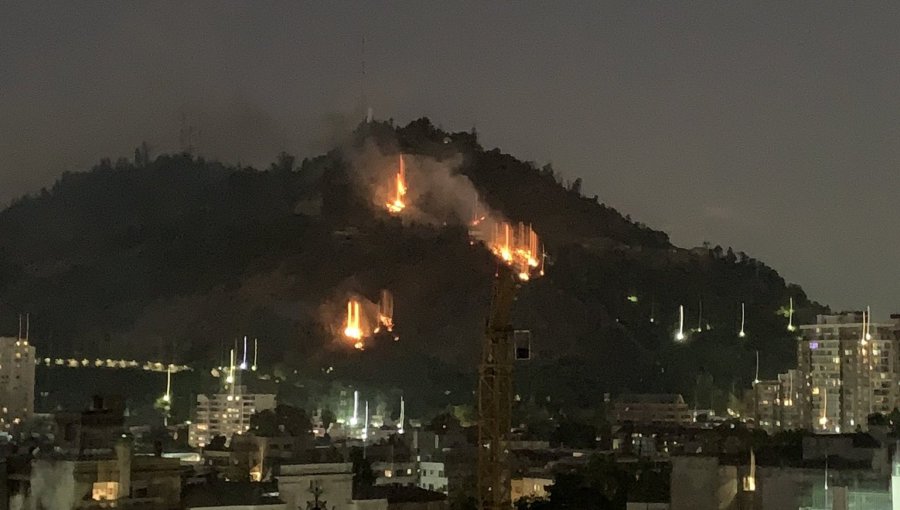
363,82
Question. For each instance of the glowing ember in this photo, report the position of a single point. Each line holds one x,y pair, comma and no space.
519,249
397,205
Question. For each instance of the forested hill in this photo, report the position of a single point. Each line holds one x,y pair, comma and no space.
174,256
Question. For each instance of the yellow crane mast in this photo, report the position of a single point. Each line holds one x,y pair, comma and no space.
495,396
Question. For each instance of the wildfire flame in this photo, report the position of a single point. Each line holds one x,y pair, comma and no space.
519,248
352,328
386,311
400,188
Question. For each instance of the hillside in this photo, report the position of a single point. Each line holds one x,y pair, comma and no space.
174,257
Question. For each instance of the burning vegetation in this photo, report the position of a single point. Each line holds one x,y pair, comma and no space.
353,327
518,248
398,203
357,324
386,313
450,196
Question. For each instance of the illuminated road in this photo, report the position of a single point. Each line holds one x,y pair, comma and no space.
152,366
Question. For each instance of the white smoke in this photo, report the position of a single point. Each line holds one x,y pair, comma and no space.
437,193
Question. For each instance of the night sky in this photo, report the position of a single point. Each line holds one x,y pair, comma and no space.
773,130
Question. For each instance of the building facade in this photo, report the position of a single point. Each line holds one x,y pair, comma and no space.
16,381
433,477
780,404
850,367
226,414
651,408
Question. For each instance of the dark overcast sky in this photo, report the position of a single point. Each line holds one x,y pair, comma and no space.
771,129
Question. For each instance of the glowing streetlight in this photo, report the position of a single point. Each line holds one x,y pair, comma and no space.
355,418
243,365
168,396
756,378
867,321
680,335
790,326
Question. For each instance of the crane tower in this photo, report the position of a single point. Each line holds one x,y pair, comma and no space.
495,396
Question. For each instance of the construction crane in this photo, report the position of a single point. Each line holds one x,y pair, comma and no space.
495,396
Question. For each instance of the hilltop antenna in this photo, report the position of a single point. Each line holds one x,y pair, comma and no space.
363,82
186,135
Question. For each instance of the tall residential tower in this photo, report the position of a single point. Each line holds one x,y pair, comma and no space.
851,370
16,380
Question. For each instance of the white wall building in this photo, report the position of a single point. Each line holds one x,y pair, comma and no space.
433,477
16,381
297,485
226,414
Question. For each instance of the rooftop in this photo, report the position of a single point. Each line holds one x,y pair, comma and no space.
220,493
399,494
650,398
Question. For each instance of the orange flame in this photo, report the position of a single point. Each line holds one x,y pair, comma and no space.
397,205
519,249
352,327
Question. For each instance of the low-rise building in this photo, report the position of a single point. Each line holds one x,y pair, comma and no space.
530,487
432,476
403,473
651,409
101,478
96,428
302,484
